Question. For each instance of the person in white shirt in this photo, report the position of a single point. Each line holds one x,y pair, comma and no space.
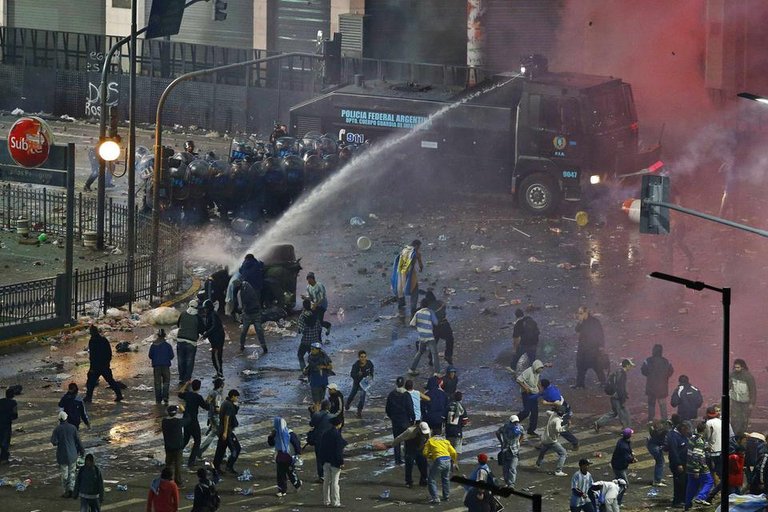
549,440
608,493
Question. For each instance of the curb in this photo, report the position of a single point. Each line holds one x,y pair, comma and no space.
26,338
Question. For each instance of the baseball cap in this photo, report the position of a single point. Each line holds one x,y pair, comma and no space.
627,432
172,410
424,428
310,275
63,416
628,362
585,462
315,345
514,418
482,458
756,435
333,386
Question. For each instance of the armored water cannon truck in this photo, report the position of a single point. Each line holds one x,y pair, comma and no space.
549,136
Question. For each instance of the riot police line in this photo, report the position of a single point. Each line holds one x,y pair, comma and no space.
260,178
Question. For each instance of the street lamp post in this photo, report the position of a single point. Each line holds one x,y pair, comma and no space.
156,175
725,411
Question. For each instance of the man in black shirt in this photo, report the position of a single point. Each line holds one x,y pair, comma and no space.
100,357
443,330
194,401
227,438
173,441
590,349
362,369
8,413
525,338
399,410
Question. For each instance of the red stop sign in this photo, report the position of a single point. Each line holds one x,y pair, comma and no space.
30,141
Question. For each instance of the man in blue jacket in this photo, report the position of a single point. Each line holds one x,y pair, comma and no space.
161,354
677,443
73,405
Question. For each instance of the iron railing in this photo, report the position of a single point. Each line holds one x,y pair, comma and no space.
93,289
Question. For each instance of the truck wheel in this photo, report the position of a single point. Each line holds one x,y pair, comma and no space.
539,194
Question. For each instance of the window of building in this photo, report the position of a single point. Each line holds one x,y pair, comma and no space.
121,4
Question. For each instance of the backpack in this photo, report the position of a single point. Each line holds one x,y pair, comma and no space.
610,383
210,496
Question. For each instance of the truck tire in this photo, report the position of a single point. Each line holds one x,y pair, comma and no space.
539,194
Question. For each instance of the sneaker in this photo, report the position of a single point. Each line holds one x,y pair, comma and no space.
281,494
265,349
434,501
409,486
701,502
346,406
413,372
532,434
233,471
560,473
659,484
511,370
298,485
445,498
596,426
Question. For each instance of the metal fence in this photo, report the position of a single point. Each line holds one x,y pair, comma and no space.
95,289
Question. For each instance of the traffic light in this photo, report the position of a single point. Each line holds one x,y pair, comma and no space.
654,219
219,10
109,147
331,50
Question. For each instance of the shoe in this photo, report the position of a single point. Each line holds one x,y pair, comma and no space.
298,485
359,415
511,370
281,494
659,484
165,401
319,481
409,486
87,188
346,406
265,350
574,447
596,426
701,502
233,471
157,402
532,434
445,498
67,494
413,372
118,399
434,501
422,483
87,400
560,473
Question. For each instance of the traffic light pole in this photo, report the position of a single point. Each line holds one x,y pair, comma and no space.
101,186
157,175
706,216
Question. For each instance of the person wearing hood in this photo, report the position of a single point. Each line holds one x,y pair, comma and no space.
530,387
657,371
252,272
510,435
214,331
608,493
414,438
442,331
677,444
73,405
68,447
163,493
623,456
743,394
550,440
284,440
405,279
161,355
250,301
435,410
399,410
100,357
191,326
89,486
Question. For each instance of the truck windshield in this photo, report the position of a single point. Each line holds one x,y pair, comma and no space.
610,109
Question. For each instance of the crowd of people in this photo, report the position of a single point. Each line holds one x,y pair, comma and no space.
427,425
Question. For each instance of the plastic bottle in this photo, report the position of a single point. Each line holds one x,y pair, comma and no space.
385,495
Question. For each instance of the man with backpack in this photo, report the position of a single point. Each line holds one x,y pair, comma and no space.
616,387
510,435
687,399
525,338
206,498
